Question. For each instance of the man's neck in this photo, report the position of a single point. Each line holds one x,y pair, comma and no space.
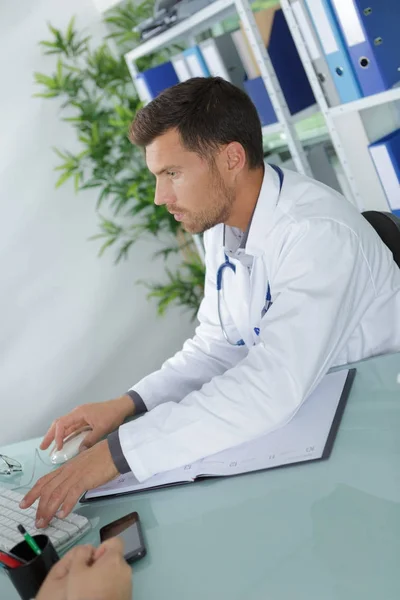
246,199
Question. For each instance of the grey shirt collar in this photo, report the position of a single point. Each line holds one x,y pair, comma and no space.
235,239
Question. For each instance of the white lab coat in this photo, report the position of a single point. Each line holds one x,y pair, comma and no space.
336,299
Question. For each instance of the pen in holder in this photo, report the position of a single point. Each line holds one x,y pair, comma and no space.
28,578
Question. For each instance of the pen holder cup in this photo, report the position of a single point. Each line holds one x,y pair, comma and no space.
28,578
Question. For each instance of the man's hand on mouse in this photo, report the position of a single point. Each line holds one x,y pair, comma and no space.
101,417
62,488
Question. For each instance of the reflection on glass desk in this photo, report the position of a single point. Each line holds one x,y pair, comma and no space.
323,531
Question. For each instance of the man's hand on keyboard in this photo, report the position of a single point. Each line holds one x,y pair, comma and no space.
87,573
62,488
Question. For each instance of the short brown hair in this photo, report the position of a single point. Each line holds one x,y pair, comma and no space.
208,112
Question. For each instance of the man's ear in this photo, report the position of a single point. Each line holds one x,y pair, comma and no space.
236,157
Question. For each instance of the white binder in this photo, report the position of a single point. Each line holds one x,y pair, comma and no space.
223,59
245,55
316,54
181,67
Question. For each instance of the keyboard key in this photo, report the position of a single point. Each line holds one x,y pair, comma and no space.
69,528
77,520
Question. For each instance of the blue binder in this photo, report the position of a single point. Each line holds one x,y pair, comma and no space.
335,50
372,30
289,71
255,88
158,79
288,66
195,54
386,156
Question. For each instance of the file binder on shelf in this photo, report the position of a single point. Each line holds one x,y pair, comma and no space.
386,156
285,59
255,88
247,58
371,31
181,67
316,54
196,63
153,81
334,47
223,60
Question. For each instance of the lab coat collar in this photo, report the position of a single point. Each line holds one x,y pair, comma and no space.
263,216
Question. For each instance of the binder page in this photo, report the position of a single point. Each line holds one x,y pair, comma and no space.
301,439
128,483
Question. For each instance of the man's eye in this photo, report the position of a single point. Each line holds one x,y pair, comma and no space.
171,173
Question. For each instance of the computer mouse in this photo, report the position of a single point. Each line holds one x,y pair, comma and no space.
70,448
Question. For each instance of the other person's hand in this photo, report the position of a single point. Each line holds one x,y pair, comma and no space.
101,417
63,487
87,573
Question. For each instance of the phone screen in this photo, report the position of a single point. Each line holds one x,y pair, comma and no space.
127,528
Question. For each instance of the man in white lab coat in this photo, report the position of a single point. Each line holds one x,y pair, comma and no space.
307,285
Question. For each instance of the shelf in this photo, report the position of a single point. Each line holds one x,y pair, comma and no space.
194,24
367,102
300,116
306,113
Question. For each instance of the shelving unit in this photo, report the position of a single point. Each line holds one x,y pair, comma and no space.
344,123
218,10
202,20
346,128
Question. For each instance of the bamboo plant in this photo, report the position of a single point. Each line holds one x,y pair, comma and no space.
99,101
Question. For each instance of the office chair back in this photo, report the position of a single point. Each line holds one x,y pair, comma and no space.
387,226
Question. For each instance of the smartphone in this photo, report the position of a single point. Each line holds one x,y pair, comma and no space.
129,529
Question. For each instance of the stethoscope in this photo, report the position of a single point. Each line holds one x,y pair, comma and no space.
228,265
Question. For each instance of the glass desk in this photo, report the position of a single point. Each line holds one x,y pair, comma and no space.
328,530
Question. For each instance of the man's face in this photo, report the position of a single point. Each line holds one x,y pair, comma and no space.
196,191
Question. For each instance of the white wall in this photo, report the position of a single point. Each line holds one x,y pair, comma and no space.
74,328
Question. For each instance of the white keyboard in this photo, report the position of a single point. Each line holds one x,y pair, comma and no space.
63,533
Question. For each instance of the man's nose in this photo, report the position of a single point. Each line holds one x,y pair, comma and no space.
162,196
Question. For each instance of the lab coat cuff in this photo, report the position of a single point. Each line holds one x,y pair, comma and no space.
117,455
144,390
127,439
138,403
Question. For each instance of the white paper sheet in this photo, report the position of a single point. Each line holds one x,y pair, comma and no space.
301,439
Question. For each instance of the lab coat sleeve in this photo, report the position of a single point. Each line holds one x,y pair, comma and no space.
321,288
202,357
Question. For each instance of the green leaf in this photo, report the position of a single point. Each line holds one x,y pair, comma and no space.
95,133
87,186
70,30
46,95
48,44
44,79
72,119
59,70
105,192
77,180
106,245
53,30
59,153
63,178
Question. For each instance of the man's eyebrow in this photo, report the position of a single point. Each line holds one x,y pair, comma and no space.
165,169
